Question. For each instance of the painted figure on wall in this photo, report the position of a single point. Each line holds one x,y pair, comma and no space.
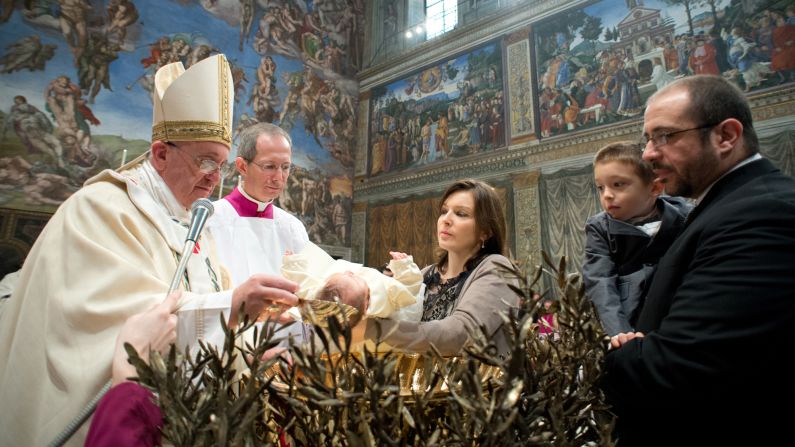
34,130
27,53
77,79
121,14
449,110
622,52
65,103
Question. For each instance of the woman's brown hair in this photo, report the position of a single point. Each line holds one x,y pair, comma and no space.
489,219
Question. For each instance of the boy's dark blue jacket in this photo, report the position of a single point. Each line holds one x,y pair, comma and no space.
620,261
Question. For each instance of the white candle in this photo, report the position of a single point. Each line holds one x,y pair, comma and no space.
123,157
221,188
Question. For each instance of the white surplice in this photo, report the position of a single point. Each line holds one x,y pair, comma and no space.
249,245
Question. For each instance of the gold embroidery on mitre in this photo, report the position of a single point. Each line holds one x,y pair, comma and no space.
225,113
190,131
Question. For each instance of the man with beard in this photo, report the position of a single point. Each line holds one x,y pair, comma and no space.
713,336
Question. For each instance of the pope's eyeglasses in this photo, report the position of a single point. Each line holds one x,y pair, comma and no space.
206,166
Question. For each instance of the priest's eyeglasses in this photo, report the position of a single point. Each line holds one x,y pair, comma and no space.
206,166
271,168
662,138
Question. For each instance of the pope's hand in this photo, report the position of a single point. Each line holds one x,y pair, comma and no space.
263,293
278,351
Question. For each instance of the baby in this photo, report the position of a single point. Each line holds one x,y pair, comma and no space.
371,292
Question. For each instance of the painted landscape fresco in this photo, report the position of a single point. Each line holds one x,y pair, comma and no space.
451,109
77,76
598,64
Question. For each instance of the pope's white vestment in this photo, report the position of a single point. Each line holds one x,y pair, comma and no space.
248,242
109,252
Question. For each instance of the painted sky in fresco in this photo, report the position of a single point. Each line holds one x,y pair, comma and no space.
606,10
127,112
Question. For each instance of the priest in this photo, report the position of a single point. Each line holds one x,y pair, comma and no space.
252,234
110,251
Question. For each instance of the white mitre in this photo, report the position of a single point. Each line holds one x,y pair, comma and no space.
194,104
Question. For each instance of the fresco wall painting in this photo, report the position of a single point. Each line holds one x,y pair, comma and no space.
451,109
77,79
598,64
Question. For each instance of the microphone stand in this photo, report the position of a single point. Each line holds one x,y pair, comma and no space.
187,250
200,211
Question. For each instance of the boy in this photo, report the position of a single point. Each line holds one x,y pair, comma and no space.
371,292
625,242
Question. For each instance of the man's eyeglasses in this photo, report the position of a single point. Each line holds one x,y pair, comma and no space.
206,166
661,139
270,168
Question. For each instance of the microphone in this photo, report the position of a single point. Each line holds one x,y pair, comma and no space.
200,211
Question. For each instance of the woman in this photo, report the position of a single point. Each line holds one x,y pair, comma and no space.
468,286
